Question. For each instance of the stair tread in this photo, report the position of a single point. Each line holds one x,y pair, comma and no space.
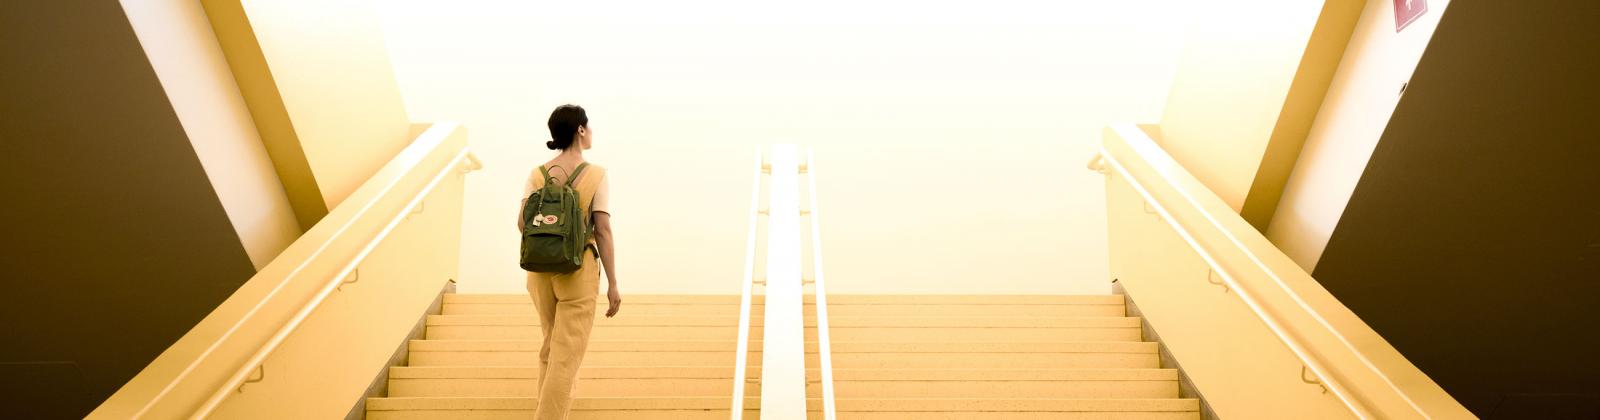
841,404
636,308
813,375
594,345
998,375
836,347
510,298
528,403
833,321
506,298
522,372
600,322
994,347
1017,404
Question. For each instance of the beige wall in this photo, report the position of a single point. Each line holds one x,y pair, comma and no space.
951,141
321,90
183,51
1361,99
1252,75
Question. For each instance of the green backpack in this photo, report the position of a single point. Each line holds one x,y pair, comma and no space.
555,231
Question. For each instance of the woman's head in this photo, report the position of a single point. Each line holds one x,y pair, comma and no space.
569,125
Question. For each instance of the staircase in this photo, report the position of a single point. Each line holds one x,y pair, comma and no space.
994,357
894,357
668,356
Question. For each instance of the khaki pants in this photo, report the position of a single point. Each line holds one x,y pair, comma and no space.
566,306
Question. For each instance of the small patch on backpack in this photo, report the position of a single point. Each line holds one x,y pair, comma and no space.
550,219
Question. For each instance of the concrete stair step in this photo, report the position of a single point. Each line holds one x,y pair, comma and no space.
999,383
842,305
846,355
688,381
600,332
632,308
960,334
973,309
810,346
834,309
452,298
600,353
522,381
852,408
597,372
912,347
1083,360
521,408
977,334
948,355
594,345
1017,408
599,321
810,321
525,327
1046,375
842,328
520,298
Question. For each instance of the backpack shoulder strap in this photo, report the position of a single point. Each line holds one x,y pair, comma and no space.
544,175
587,188
589,185
576,172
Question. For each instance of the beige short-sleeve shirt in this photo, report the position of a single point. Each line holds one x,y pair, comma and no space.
602,195
601,203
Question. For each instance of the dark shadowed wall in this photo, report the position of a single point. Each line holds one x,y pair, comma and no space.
1472,242
115,243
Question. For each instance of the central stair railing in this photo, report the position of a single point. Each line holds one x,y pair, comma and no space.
783,370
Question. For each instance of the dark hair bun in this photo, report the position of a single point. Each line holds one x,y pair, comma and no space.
564,124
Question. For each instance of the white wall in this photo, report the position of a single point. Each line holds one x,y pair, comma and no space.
1360,100
181,47
950,138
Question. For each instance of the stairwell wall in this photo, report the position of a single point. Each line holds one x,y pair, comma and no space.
117,241
1371,78
1252,76
1472,241
320,89
183,51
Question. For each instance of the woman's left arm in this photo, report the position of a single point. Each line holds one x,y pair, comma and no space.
608,256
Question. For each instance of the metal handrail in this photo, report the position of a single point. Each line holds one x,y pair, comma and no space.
1141,147
1294,345
824,347
232,329
740,359
259,358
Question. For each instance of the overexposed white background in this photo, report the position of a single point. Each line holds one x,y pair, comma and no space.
950,136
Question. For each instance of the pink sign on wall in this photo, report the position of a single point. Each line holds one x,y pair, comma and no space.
1407,11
